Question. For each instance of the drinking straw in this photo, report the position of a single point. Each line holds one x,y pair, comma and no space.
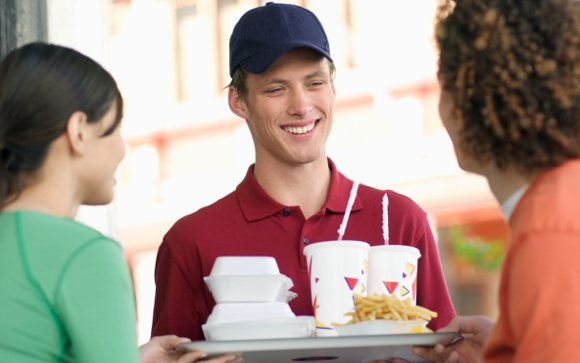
386,218
351,199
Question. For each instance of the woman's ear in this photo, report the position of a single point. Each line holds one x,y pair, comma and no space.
237,103
77,131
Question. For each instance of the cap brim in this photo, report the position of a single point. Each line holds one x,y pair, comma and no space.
260,62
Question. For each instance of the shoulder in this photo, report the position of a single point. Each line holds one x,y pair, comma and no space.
53,245
395,200
61,231
205,216
80,241
374,198
550,203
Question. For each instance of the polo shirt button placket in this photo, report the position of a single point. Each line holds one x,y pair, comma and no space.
285,212
306,240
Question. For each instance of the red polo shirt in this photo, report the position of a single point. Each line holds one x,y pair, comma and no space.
249,222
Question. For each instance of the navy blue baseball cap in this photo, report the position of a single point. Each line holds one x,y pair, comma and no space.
264,33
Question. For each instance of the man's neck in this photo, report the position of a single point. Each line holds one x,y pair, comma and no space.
303,185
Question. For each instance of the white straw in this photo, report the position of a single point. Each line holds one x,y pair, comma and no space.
386,218
351,199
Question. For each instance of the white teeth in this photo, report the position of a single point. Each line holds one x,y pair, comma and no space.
299,130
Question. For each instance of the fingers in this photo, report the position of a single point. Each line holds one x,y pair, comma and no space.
424,352
471,324
442,354
438,354
439,348
169,342
196,356
453,358
191,357
398,360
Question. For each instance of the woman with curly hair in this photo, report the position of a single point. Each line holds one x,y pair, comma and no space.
510,77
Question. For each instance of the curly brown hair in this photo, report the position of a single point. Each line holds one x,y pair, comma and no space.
512,68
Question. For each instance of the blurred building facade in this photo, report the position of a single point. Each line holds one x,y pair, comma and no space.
186,149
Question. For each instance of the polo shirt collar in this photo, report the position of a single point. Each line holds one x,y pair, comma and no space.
510,204
256,204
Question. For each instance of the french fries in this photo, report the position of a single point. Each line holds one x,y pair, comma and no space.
387,307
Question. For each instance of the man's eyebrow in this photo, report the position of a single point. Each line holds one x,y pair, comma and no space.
278,80
314,74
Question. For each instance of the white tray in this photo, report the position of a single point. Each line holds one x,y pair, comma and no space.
347,349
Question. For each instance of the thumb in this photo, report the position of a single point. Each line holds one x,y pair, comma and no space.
170,342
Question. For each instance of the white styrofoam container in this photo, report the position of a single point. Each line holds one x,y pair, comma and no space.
244,265
282,328
249,288
236,312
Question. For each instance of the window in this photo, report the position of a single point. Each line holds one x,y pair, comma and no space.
196,56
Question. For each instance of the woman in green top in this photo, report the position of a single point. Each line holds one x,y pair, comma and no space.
65,290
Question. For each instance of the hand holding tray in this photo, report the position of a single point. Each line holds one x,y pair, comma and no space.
345,349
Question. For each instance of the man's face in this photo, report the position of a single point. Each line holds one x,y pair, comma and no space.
288,108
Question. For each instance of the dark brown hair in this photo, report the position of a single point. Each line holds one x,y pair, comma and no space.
41,86
513,70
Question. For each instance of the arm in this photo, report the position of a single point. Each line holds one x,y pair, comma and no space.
179,297
95,300
432,290
476,330
538,296
163,349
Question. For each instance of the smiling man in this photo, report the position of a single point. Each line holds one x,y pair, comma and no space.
292,195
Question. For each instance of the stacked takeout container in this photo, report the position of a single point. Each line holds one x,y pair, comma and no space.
252,301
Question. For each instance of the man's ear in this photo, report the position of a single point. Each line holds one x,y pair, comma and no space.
77,132
237,103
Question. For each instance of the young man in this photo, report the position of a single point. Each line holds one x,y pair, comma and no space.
509,72
293,195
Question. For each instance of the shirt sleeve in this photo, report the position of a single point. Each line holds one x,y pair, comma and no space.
179,300
432,290
96,301
543,295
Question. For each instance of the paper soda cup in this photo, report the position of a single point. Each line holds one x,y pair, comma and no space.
393,271
337,270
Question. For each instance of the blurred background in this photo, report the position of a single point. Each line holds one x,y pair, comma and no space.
185,148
